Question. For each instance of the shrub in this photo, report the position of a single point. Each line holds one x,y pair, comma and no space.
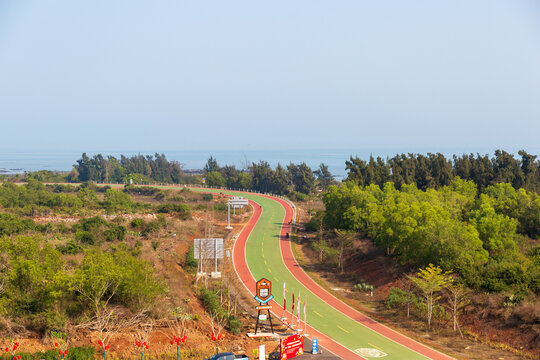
85,237
208,197
363,287
115,233
115,200
137,223
181,210
211,302
191,262
235,325
93,223
12,224
70,248
221,207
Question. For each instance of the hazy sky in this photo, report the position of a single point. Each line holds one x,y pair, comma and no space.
179,75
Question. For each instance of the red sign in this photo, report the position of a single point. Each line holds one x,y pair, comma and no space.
292,346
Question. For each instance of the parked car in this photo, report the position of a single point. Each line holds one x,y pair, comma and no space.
227,356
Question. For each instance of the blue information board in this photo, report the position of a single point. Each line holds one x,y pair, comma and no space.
315,346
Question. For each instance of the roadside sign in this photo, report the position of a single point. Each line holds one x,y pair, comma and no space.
264,307
315,346
263,289
238,201
263,317
208,248
291,346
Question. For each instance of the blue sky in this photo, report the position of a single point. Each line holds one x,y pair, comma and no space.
178,75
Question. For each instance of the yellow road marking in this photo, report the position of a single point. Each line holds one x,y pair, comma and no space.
263,254
376,347
275,278
317,313
348,332
265,262
269,270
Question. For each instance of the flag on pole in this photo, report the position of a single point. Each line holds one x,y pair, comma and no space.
293,302
298,308
284,298
305,304
305,321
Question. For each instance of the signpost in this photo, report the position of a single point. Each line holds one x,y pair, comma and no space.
236,202
291,346
263,291
208,249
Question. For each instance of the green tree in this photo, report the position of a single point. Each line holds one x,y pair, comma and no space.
211,166
324,177
496,231
302,178
214,178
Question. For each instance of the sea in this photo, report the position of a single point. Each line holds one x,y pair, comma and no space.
13,162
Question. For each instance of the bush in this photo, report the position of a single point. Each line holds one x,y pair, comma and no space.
93,223
71,248
181,210
115,200
314,223
150,228
398,298
191,262
363,287
211,302
296,196
46,321
85,237
208,197
500,276
235,325
12,224
220,207
115,233
137,223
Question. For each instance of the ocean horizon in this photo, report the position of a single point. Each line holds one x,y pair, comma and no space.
13,162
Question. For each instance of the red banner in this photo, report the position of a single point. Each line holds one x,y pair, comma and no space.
292,346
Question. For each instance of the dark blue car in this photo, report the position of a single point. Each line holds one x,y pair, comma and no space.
227,356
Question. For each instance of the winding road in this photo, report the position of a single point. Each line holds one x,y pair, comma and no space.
263,250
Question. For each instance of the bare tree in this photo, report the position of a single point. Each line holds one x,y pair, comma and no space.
107,322
458,298
177,327
217,323
141,336
344,242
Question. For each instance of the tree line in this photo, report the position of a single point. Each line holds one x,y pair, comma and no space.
297,178
112,170
480,236
435,170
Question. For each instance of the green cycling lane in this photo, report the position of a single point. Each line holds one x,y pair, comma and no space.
264,259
